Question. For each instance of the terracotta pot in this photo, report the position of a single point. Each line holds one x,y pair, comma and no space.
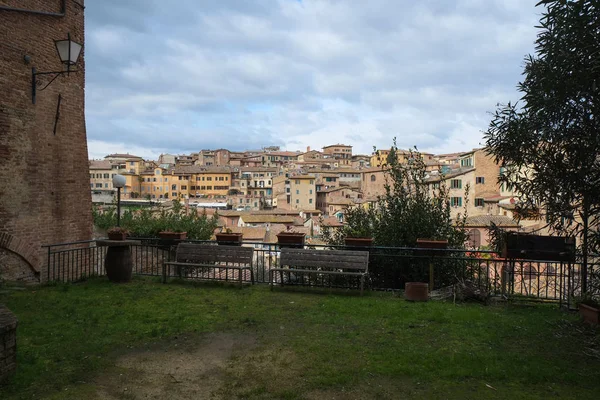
416,291
291,239
358,241
172,235
590,314
229,239
424,244
117,235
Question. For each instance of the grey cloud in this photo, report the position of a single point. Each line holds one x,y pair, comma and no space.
180,75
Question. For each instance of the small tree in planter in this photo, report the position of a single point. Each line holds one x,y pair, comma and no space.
229,238
117,233
358,230
291,238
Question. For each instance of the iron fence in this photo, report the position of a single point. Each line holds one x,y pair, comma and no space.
389,269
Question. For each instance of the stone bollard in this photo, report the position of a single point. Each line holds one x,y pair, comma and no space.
8,344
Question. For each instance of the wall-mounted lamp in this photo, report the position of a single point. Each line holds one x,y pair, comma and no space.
68,51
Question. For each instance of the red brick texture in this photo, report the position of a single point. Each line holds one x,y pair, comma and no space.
44,182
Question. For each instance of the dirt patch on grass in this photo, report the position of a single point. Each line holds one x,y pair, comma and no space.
183,368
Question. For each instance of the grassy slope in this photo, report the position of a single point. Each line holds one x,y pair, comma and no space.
318,344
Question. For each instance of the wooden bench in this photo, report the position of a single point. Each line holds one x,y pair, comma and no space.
194,256
329,262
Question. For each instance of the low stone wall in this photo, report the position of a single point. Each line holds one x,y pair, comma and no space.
8,343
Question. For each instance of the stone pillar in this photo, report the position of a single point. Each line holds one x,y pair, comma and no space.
8,343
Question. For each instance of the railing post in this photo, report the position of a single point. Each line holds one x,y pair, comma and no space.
48,266
430,275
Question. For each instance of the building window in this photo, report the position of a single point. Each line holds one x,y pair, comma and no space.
480,180
466,162
297,182
309,201
184,187
153,179
312,182
297,191
297,201
310,191
131,164
99,185
209,178
479,203
373,178
158,172
456,201
174,194
106,185
455,184
209,188
106,176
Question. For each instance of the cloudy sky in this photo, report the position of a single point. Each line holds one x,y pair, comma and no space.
184,75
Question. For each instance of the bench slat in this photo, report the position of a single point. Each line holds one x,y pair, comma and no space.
192,252
335,259
314,271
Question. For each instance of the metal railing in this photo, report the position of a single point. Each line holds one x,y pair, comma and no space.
389,268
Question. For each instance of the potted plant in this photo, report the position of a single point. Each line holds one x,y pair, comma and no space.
229,238
589,309
358,231
359,236
172,235
290,238
117,233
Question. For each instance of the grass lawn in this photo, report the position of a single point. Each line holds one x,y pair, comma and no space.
96,340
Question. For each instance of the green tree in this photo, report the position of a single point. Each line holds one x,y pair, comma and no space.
550,141
408,210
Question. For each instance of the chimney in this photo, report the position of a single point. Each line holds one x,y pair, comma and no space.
307,149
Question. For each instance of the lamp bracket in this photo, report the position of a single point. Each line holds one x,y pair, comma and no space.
35,83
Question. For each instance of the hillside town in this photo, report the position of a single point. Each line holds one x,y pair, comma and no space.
260,192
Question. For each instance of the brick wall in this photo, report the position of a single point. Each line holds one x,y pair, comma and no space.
8,344
44,182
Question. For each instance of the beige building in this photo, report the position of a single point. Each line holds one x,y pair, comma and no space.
331,201
295,192
340,152
373,181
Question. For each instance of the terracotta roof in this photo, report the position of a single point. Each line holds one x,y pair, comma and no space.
328,221
100,164
268,219
199,169
128,156
336,145
449,175
486,220
251,232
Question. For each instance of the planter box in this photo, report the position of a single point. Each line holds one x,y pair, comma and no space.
172,235
416,291
358,241
287,239
117,236
590,314
424,244
229,239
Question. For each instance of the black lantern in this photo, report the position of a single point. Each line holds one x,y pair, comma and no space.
68,52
